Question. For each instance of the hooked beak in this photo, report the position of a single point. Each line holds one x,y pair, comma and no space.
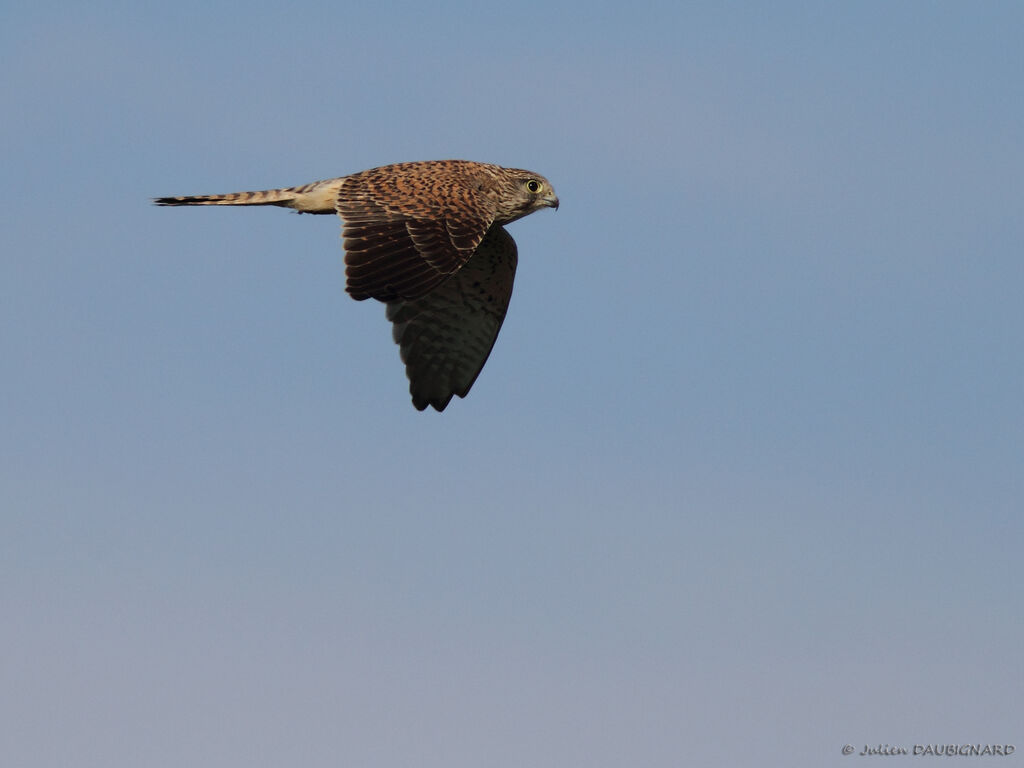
551,201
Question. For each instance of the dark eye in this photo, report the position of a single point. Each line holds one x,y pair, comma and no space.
533,185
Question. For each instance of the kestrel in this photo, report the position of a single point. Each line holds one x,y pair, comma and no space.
428,239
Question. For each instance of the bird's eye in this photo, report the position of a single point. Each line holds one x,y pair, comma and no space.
533,185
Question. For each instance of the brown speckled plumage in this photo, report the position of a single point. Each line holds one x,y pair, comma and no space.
427,239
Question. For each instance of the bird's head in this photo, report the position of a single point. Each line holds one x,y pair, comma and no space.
522,193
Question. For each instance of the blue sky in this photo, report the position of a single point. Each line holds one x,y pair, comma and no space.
741,481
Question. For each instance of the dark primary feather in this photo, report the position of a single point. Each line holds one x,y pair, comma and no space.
446,336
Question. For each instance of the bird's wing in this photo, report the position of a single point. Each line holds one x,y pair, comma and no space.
446,336
405,236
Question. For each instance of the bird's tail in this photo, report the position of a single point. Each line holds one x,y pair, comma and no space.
318,197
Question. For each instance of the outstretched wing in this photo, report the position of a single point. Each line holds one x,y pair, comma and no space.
408,227
446,335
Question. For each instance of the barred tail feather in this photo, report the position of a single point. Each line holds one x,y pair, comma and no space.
283,197
317,197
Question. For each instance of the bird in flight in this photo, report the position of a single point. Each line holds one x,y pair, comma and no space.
428,240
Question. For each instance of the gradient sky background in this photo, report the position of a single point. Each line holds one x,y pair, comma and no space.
741,483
